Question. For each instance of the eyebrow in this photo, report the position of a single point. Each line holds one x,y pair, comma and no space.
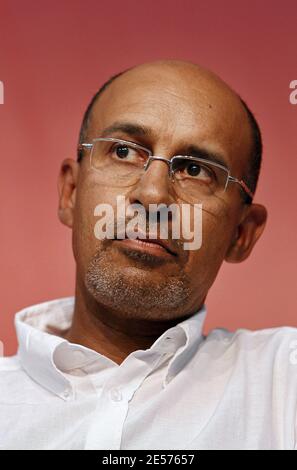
138,130
128,128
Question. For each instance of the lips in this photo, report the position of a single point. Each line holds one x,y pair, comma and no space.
162,243
157,246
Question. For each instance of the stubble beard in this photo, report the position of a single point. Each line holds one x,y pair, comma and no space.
133,291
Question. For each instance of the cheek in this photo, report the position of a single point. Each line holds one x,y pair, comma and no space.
83,238
90,194
203,264
84,241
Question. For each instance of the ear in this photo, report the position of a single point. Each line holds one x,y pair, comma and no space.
67,185
247,233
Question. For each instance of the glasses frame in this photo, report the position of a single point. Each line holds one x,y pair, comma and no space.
151,157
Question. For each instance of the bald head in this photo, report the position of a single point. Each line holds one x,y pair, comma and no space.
196,95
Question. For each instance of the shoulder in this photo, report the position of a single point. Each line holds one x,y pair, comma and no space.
268,337
10,374
16,386
9,364
260,347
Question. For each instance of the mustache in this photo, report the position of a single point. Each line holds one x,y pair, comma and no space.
144,229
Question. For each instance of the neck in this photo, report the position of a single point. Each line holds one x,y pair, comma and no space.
101,329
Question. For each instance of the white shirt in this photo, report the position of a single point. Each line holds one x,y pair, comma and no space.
224,391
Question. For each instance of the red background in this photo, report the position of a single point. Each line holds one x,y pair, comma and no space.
56,54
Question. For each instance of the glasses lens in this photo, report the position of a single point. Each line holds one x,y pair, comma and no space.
118,163
196,179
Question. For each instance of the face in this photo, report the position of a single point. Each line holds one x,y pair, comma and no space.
168,110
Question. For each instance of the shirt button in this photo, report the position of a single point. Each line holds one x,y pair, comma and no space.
66,394
115,394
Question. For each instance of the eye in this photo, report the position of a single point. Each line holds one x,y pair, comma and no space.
198,171
127,153
123,151
193,169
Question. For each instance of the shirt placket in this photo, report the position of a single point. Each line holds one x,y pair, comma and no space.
107,424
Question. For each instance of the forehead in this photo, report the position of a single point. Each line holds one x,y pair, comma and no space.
180,109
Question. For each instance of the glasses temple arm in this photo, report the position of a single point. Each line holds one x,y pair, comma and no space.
84,146
243,185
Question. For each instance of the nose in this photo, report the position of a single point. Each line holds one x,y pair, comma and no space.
154,187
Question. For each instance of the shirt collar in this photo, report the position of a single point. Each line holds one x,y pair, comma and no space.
46,356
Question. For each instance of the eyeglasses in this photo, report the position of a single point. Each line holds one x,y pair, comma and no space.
121,163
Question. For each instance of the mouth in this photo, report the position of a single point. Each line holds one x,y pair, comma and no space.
155,247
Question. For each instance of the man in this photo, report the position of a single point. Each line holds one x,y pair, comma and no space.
125,365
